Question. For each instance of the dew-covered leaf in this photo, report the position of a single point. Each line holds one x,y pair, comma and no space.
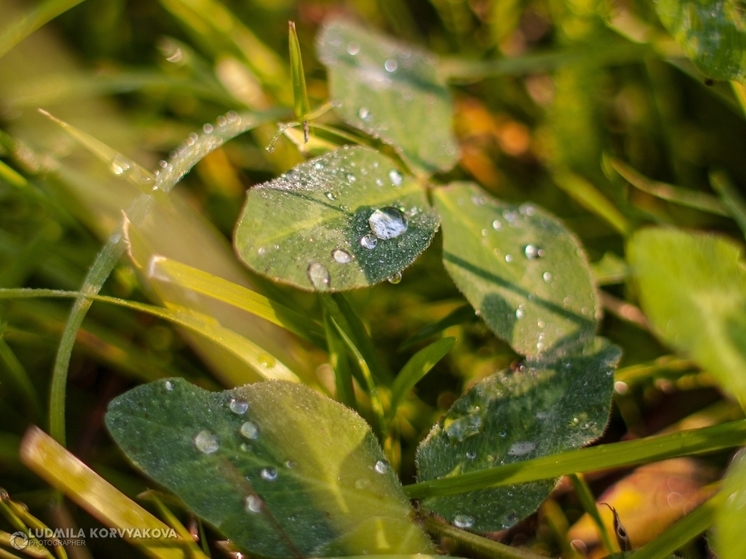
551,404
692,288
344,220
519,267
731,515
713,34
390,90
268,465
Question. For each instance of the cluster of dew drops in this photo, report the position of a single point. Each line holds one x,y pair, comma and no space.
207,442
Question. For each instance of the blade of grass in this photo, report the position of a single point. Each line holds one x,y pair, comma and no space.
588,196
457,316
586,498
53,463
615,455
686,529
17,375
668,192
32,20
730,196
300,95
266,366
558,524
165,269
340,364
415,369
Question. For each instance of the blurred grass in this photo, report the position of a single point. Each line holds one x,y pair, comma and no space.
554,105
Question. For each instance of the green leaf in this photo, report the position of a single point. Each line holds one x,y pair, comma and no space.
713,34
391,91
692,288
730,517
344,220
519,267
550,405
268,466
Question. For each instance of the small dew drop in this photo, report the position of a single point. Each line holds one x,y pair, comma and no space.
290,464
388,223
252,503
547,276
463,521
510,215
207,128
471,455
395,177
391,65
206,442
508,258
362,483
381,466
533,252
350,177
520,448
341,256
519,312
318,165
369,241
396,278
319,276
330,195
250,430
353,48
119,165
497,225
239,407
364,113
268,474
169,385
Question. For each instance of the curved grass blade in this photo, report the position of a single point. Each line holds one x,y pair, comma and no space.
615,455
391,91
460,315
732,199
32,20
300,96
264,365
164,269
552,404
730,516
268,465
344,220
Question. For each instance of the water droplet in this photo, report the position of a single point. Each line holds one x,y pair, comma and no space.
341,256
290,464
239,407
318,165
508,258
395,177
250,430
503,434
510,215
206,442
252,503
527,209
318,275
388,223
463,427
169,385
381,466
391,65
547,276
362,483
330,195
471,455
268,474
497,225
540,323
353,48
207,128
396,278
520,448
119,165
463,521
364,113
369,241
266,361
350,177
533,252
519,312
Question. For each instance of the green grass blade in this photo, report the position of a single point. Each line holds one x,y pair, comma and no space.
684,443
300,95
686,529
17,375
670,193
592,199
415,369
265,366
457,316
164,269
732,199
32,20
586,498
340,364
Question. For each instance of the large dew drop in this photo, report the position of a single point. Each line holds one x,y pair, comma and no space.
463,521
341,256
388,223
206,442
239,407
252,503
250,430
319,276
381,466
